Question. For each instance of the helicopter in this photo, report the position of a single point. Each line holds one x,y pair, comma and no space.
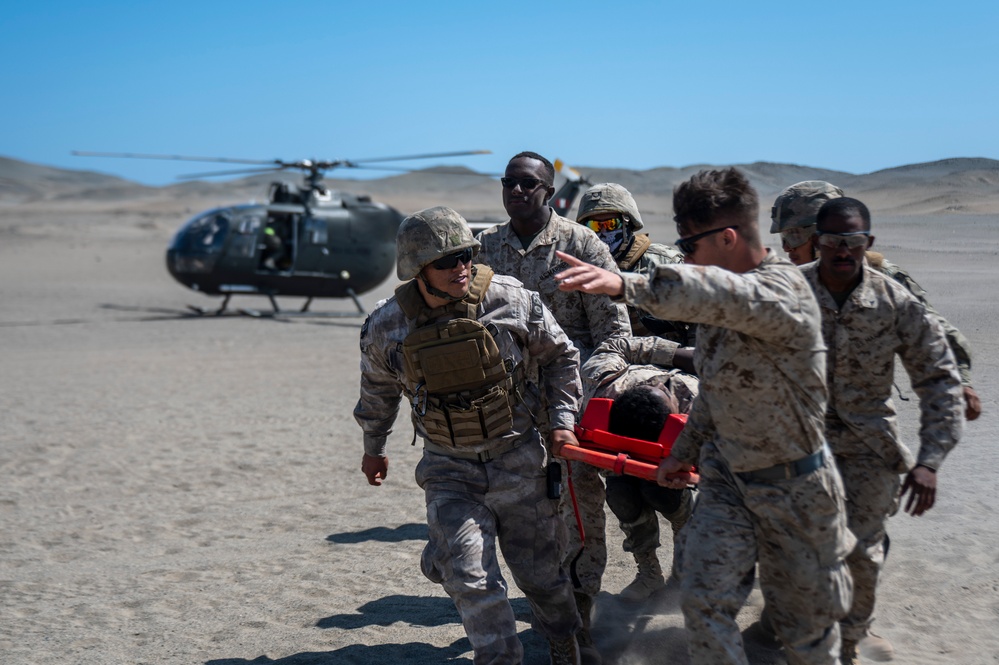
306,241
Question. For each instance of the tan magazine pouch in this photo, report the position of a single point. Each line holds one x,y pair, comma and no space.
463,385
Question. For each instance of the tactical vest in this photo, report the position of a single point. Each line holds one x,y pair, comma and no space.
465,390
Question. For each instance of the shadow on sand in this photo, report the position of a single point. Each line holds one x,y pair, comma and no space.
383,534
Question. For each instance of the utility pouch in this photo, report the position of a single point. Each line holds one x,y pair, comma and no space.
553,477
450,357
457,422
464,390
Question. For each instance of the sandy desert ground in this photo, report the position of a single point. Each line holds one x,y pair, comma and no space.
182,489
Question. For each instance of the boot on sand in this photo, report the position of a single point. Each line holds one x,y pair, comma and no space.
588,653
648,580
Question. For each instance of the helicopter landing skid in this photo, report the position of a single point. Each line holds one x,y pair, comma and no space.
276,311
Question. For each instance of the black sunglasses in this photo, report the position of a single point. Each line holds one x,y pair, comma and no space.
526,184
451,260
687,245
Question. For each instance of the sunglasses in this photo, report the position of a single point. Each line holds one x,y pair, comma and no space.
602,225
451,260
853,240
687,245
526,184
792,238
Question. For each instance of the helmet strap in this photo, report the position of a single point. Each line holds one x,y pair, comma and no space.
444,295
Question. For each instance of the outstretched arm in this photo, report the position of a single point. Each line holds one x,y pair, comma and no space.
582,276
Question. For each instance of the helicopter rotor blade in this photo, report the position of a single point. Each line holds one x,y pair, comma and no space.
211,174
433,169
186,158
432,155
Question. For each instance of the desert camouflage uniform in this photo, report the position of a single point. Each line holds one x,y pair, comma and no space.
616,366
958,343
588,320
796,208
643,258
879,320
473,504
761,364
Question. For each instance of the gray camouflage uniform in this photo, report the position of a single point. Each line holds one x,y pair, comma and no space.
879,320
588,320
618,365
761,364
472,505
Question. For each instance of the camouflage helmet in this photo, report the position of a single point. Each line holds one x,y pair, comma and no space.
796,206
609,197
429,235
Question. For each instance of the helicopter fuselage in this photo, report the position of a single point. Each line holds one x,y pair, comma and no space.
337,247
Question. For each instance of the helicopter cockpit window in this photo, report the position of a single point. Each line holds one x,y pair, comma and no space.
204,234
315,231
244,241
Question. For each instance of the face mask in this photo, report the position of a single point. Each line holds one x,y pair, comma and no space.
613,239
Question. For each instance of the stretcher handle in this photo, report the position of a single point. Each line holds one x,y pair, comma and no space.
621,464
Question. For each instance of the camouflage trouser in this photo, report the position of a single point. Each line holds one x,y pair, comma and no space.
635,502
590,494
796,530
472,506
871,497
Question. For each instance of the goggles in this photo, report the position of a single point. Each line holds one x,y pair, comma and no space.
792,238
852,240
526,184
687,245
604,225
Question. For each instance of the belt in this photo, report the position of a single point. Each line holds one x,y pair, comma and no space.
784,471
484,456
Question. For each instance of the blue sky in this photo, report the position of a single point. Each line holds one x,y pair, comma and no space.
854,86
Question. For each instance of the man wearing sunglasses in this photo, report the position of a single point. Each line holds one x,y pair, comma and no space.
525,248
769,492
793,216
868,319
477,356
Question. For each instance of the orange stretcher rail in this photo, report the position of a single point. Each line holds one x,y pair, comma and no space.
621,454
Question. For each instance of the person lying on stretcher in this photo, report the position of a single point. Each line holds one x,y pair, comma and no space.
638,403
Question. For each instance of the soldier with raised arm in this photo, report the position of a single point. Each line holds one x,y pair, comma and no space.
769,491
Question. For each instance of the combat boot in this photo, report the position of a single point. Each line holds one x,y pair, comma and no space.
564,652
648,580
876,648
588,653
848,653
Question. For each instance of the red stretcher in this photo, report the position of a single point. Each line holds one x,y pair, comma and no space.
620,454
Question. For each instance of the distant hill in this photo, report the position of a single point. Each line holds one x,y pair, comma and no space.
949,185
